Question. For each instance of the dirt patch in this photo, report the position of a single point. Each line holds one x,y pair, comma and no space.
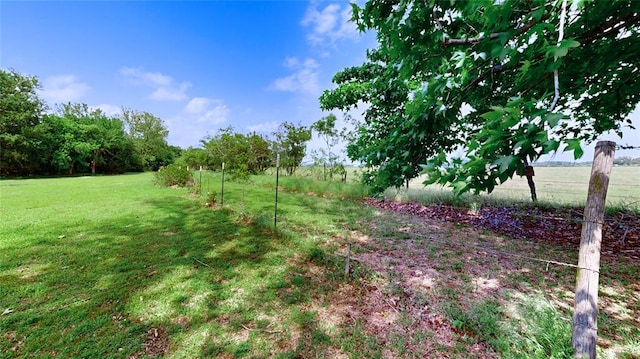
155,345
427,270
562,226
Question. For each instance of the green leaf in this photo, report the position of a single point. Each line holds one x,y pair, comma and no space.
562,48
553,118
574,145
460,187
550,146
577,152
569,43
504,162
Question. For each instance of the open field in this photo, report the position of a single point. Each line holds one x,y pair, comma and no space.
555,186
116,267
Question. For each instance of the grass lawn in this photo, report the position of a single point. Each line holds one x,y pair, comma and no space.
116,267
97,267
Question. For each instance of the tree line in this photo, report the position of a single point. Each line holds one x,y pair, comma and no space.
75,138
627,161
253,153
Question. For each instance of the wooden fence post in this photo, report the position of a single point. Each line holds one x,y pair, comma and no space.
585,314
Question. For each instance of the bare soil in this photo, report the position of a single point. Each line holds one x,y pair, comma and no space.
560,226
427,260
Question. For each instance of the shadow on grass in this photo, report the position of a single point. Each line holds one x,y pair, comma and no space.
124,286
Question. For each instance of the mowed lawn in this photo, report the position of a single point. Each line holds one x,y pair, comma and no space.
117,267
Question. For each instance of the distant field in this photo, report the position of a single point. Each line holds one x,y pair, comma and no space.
556,185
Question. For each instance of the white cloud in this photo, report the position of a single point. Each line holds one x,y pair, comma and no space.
200,116
63,88
210,111
291,62
164,87
171,93
330,24
304,79
197,105
217,115
153,78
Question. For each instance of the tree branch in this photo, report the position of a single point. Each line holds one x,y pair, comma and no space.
495,35
609,27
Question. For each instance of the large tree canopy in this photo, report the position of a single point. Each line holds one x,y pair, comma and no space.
149,136
75,138
505,81
20,114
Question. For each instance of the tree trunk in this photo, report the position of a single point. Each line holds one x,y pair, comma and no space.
529,173
585,315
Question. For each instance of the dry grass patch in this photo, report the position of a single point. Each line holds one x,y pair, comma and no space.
448,291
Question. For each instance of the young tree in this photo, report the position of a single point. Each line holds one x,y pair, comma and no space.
20,114
326,129
240,153
291,144
193,158
149,136
505,81
261,156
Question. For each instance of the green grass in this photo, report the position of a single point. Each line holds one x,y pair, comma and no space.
117,267
555,186
98,266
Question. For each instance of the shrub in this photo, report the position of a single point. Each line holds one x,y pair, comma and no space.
211,199
174,175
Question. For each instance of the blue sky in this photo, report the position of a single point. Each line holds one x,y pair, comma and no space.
198,65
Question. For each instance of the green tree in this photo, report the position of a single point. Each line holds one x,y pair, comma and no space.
80,140
193,158
261,155
291,144
20,116
227,147
149,136
250,154
505,82
327,131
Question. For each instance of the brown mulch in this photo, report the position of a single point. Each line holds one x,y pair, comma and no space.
621,234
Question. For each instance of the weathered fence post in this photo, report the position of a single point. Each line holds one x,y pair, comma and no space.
585,314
